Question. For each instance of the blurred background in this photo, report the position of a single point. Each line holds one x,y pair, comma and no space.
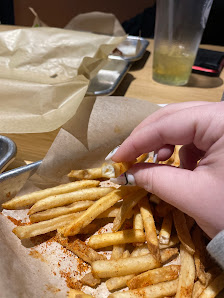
137,17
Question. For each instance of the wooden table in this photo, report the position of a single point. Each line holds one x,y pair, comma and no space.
138,83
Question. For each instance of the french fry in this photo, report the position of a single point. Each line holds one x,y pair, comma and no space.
174,240
96,209
58,211
187,274
142,158
154,199
126,266
198,289
78,294
150,229
89,194
190,222
117,251
154,276
162,289
94,173
104,172
116,169
90,280
126,254
198,257
163,208
119,282
131,265
32,198
165,232
140,251
210,276
80,249
214,288
137,221
120,237
182,230
128,204
43,227
112,212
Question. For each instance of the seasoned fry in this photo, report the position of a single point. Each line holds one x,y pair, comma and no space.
174,240
150,228
198,289
55,212
190,222
128,204
182,230
198,257
120,237
78,294
154,199
116,169
162,289
44,226
165,232
80,249
94,173
119,282
140,251
137,221
187,274
96,209
121,267
30,199
90,280
163,208
131,265
210,276
117,251
168,254
89,194
154,276
215,287
142,157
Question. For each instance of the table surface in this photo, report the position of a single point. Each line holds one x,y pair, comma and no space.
137,83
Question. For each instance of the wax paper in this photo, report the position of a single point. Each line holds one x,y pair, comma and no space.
98,126
44,75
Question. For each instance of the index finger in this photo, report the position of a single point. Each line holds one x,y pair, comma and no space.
182,127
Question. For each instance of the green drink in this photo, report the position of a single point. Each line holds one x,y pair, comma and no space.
172,65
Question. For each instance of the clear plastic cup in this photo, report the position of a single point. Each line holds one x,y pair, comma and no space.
178,31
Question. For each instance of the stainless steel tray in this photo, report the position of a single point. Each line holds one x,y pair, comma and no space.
131,49
109,77
7,152
12,181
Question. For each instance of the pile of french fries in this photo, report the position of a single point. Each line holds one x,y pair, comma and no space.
162,255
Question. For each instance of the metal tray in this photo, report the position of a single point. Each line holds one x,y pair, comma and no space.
109,77
12,181
131,49
7,152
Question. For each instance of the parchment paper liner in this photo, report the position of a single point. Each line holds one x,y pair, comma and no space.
99,126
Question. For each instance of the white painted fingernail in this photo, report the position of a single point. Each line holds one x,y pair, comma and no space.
155,157
108,157
124,179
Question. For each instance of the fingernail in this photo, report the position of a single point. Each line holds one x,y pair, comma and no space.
155,157
108,157
124,179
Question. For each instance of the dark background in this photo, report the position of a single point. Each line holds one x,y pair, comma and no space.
137,17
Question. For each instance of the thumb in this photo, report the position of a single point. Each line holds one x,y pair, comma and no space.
176,186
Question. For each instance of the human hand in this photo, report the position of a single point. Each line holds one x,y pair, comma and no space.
197,190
